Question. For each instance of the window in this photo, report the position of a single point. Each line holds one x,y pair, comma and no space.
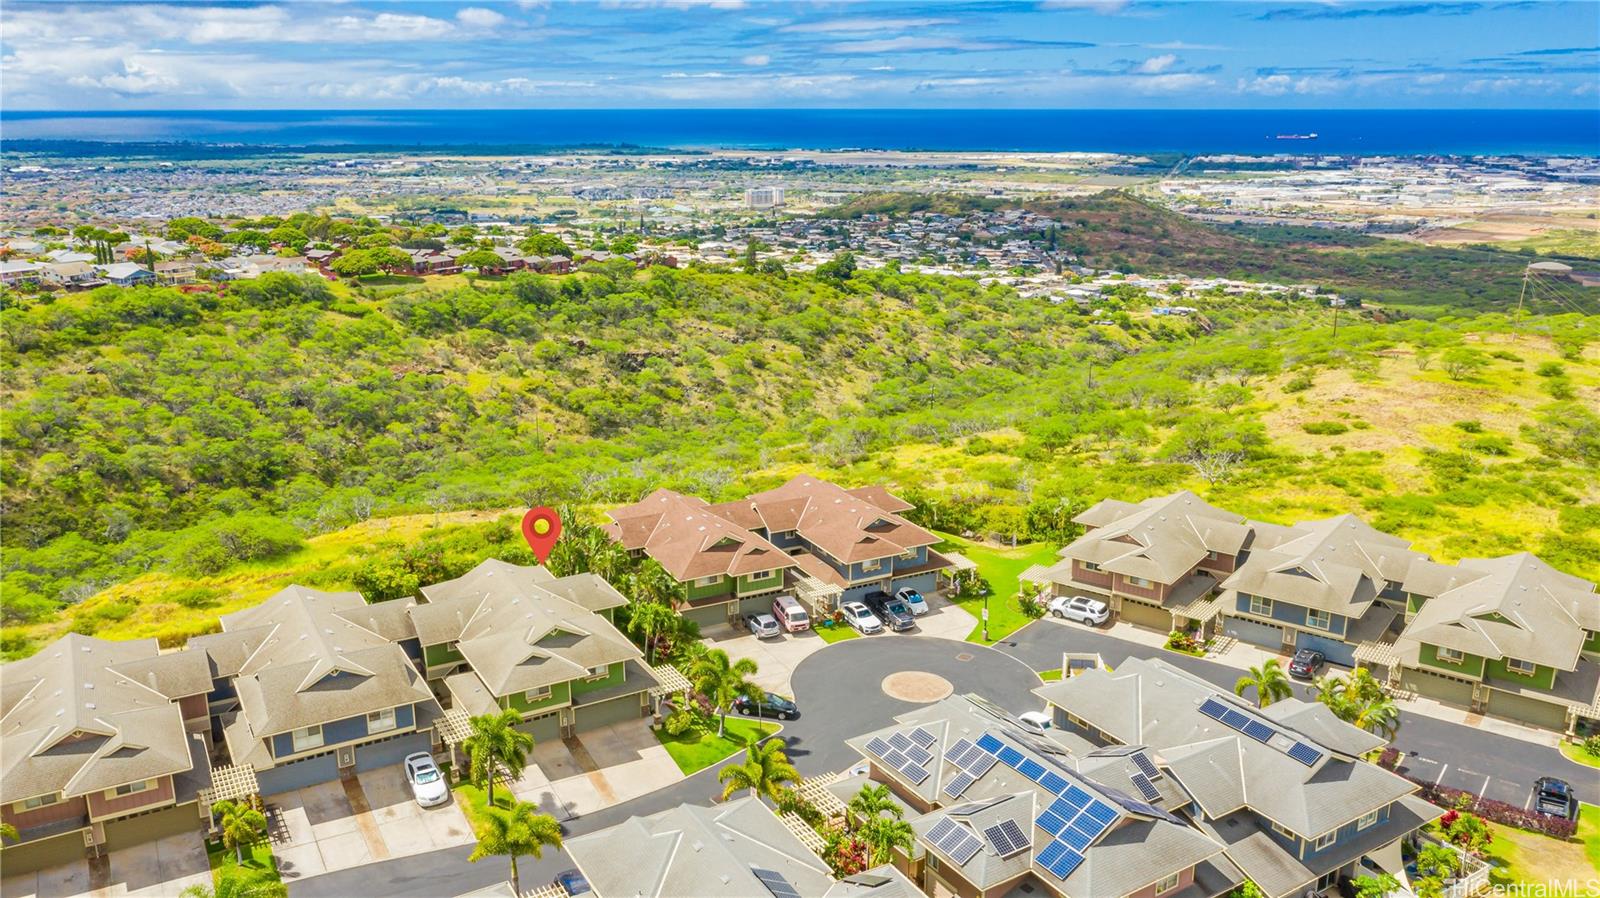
1283,831
130,788
760,575
1324,840
1367,820
1321,620
537,695
1519,666
40,801
1261,606
1090,566
599,673
308,738
908,555
378,721
712,580
1450,655
1168,884
872,564
1140,582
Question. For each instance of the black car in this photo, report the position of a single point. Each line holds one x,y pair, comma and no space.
769,706
893,612
1554,797
1306,663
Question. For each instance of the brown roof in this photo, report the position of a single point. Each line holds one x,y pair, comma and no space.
690,539
1338,564
846,524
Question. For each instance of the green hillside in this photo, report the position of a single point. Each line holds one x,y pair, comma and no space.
169,455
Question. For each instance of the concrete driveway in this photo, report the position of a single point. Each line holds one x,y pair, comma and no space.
340,824
596,770
159,869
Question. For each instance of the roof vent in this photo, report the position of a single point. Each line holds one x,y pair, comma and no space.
697,845
89,705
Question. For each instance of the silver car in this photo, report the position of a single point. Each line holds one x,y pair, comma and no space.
427,783
762,625
861,617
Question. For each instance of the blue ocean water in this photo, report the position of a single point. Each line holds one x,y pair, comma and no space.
1349,132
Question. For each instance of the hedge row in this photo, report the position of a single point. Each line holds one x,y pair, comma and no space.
1487,808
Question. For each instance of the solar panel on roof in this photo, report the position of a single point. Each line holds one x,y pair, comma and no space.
916,773
922,737
1005,838
1088,826
878,747
1101,812
1145,787
1145,765
958,784
961,845
1031,769
775,883
959,750
981,762
919,755
1051,822
1066,807
990,743
1213,708
1063,866
1053,782
1230,718
1076,795
894,758
1049,854
900,741
1076,838
1305,754
973,807
1258,731
943,828
1009,756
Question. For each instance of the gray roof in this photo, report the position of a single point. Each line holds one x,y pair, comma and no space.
515,632
1159,539
698,852
315,657
1515,606
1337,565
1150,702
74,722
1141,847
885,881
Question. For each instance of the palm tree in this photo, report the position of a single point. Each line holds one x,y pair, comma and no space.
1359,699
234,885
240,825
649,620
496,744
765,770
884,834
722,680
515,831
1269,681
872,801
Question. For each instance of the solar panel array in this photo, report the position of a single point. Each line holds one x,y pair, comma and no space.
973,763
1145,765
1257,730
775,883
905,756
1006,838
1073,820
1145,787
954,840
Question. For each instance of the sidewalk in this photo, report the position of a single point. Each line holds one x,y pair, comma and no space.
1242,656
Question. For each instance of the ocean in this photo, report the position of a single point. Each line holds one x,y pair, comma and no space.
1251,132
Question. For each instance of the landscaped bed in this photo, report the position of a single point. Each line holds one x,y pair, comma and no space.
259,864
1580,753
474,801
701,747
836,633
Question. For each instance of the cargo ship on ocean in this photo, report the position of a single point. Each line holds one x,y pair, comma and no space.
1311,136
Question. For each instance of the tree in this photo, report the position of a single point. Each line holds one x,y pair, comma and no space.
1462,362
355,263
388,258
496,744
240,825
722,680
1269,682
1375,886
1359,699
1435,865
7,831
481,259
839,269
545,245
515,831
872,801
1466,831
238,885
294,238
647,620
884,834
764,771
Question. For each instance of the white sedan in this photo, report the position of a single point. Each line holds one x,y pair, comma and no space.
861,617
427,783
1082,609
913,600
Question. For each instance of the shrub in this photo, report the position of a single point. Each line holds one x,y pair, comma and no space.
1592,745
1325,428
1299,383
1180,641
1469,426
1490,444
216,545
679,722
1030,606
1389,758
1495,811
1551,369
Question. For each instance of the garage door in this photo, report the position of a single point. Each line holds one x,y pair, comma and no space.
1153,616
1432,685
606,713
1253,632
1524,709
140,828
545,728
392,751
37,855
298,774
1333,649
709,616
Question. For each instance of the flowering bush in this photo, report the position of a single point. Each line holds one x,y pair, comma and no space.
1491,810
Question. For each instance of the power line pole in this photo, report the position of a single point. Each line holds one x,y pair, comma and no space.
1516,322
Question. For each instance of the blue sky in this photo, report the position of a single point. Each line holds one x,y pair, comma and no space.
763,53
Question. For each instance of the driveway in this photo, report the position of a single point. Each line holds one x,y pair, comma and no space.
160,869
341,824
600,768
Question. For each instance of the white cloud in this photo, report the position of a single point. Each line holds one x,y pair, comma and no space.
1157,64
478,17
1103,7
1266,85
907,43
756,59
863,25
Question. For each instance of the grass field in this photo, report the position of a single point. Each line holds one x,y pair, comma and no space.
1529,859
1577,752
701,747
999,567
259,864
836,633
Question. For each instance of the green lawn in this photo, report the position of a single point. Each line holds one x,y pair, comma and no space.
1576,752
259,864
475,801
836,633
999,567
1589,833
1050,675
701,747
1526,858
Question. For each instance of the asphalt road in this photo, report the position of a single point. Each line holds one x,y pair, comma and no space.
1451,754
840,695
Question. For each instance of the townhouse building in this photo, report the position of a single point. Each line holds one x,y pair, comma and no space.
1282,791
105,747
312,685
999,809
504,636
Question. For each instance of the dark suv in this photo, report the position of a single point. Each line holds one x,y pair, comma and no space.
1305,664
893,612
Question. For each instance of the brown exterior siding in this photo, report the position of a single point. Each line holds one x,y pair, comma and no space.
51,813
194,707
101,807
1222,564
1154,592
1091,578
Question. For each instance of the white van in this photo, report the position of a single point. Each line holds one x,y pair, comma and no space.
791,614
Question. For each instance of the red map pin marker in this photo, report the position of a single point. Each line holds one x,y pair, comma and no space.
541,527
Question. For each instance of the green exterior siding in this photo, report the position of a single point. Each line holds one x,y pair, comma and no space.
1591,642
440,655
560,694
750,583
613,678
1542,677
1470,666
723,586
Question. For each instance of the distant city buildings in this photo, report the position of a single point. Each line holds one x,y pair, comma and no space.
763,197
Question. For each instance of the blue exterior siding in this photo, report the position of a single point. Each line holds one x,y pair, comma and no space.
919,556
1334,649
1345,834
341,732
1283,612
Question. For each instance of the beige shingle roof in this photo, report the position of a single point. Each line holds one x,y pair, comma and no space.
1515,606
1159,539
74,723
1337,565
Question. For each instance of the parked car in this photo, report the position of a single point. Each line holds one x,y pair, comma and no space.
1554,797
1306,663
791,614
769,706
891,611
861,617
913,600
1082,609
427,783
1035,720
573,883
762,625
